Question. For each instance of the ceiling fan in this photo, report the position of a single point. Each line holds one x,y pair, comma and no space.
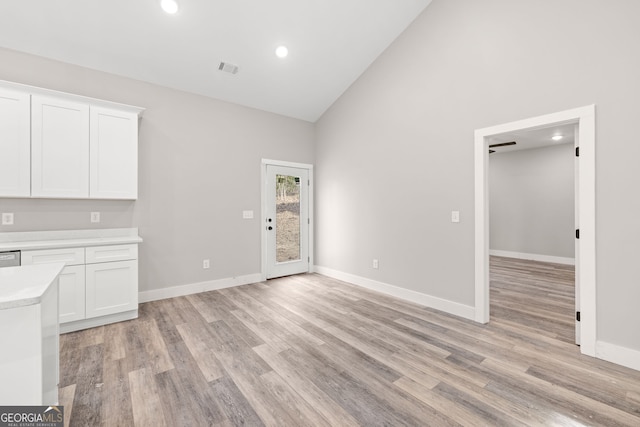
502,144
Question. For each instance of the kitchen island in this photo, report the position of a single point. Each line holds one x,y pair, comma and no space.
30,340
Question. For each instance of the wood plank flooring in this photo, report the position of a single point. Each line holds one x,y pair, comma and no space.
536,295
312,351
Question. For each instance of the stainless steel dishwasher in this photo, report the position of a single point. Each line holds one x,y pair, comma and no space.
9,259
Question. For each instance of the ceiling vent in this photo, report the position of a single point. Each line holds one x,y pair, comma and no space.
228,68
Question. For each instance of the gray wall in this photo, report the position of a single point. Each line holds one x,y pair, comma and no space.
199,168
395,153
393,156
532,201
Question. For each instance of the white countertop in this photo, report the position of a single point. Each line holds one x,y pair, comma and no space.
25,285
30,240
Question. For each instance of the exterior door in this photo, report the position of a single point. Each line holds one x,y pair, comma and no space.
287,220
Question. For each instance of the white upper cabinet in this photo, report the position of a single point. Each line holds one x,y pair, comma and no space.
59,148
15,150
59,145
113,154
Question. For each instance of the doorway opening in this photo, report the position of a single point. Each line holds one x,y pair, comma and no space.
584,120
532,198
287,207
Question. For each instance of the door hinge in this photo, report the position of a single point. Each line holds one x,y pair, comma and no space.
578,316
308,182
577,151
308,220
578,233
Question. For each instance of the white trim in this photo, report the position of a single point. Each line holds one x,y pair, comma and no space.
34,90
286,164
481,183
195,288
585,118
263,207
616,354
533,257
98,321
461,310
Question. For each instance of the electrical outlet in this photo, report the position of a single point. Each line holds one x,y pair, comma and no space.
455,216
7,218
206,263
247,214
375,263
95,216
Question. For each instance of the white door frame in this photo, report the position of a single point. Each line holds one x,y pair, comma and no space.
584,117
263,213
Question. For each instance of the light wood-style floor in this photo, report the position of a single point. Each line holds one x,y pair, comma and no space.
536,295
312,351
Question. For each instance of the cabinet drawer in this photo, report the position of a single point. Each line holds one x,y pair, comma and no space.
71,256
99,254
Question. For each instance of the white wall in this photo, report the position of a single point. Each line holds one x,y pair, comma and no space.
531,201
395,153
199,168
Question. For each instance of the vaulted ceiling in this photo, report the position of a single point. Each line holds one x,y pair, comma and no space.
330,42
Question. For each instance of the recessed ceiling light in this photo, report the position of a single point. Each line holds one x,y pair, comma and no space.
282,52
557,137
169,6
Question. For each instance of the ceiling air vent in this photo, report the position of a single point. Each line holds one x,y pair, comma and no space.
228,68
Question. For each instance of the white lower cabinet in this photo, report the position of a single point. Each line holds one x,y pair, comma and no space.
99,285
112,287
72,294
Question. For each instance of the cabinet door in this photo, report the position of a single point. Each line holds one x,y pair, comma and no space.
72,279
113,154
15,149
112,287
72,294
59,148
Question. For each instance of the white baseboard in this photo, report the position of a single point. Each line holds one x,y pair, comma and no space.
533,257
465,311
194,288
620,355
98,321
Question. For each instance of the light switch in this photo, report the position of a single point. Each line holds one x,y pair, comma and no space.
455,216
247,214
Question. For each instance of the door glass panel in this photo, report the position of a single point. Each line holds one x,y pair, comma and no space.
287,218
